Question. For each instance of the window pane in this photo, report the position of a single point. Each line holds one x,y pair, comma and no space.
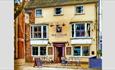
42,50
58,10
77,51
79,9
85,51
44,32
72,30
88,29
37,31
35,50
80,30
38,12
31,32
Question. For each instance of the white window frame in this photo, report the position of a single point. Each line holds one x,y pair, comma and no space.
32,50
55,11
41,12
38,51
74,36
81,51
32,36
79,6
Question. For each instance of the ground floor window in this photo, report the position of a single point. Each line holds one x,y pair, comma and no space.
68,50
34,50
38,50
42,50
77,51
85,51
50,50
81,51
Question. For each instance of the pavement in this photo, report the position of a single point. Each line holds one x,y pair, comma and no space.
29,66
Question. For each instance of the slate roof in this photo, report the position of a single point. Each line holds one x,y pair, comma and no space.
50,3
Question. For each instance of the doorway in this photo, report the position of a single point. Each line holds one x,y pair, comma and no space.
58,52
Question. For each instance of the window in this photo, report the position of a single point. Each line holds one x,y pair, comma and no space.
85,51
38,12
81,50
39,31
68,50
34,50
58,11
50,50
79,9
77,51
80,30
42,50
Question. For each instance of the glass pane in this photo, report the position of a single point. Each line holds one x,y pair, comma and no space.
85,51
35,50
77,51
58,11
77,33
42,50
44,32
38,12
72,30
82,27
77,26
79,9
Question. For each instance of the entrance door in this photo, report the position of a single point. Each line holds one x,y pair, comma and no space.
58,52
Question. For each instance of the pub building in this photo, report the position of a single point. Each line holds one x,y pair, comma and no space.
61,28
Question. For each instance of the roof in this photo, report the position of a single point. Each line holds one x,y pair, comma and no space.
50,3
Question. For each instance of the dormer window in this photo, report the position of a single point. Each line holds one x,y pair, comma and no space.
58,11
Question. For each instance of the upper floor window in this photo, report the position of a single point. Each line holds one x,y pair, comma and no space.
58,11
81,30
79,10
38,12
39,31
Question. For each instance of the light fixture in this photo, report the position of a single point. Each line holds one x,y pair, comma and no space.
67,43
63,24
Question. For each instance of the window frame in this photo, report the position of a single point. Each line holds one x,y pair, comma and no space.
60,13
36,12
81,50
42,33
76,9
38,50
32,50
73,32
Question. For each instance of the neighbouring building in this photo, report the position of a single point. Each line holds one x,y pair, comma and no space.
61,28
19,32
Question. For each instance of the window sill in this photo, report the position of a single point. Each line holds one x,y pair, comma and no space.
79,13
39,16
81,37
39,38
58,14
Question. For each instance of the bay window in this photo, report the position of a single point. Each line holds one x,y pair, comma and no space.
39,31
34,50
80,30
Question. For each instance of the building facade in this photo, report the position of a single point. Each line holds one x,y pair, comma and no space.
61,28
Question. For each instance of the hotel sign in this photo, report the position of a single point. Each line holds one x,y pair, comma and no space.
58,35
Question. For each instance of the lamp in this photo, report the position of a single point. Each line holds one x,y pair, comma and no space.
67,43
49,43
